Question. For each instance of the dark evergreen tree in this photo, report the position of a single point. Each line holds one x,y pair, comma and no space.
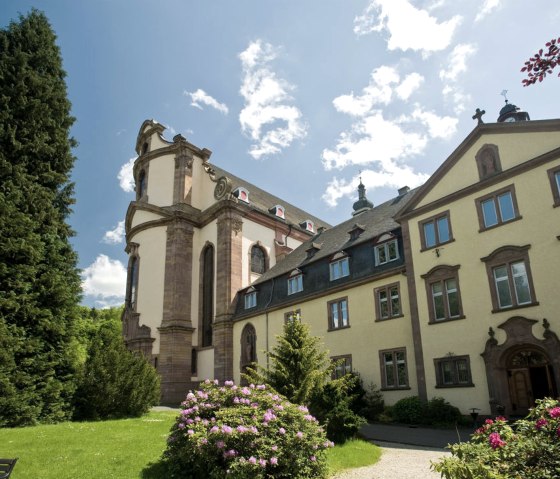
39,280
116,382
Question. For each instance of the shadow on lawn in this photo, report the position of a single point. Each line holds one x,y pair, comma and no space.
155,470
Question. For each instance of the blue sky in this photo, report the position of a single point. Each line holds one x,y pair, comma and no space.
295,96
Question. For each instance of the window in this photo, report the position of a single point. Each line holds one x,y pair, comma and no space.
292,315
343,365
339,269
509,274
241,194
554,177
444,298
133,282
142,185
436,231
295,282
338,314
388,302
248,350
258,260
453,371
250,300
386,252
497,208
278,210
393,369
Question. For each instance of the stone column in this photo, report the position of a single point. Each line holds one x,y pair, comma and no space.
176,328
228,282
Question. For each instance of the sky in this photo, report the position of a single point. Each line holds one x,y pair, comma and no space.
299,97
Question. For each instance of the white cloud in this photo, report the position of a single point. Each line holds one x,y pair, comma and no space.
374,139
409,85
487,7
438,126
116,235
105,280
408,27
126,177
267,118
200,97
457,62
395,177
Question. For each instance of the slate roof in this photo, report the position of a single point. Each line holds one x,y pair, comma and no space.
375,222
261,200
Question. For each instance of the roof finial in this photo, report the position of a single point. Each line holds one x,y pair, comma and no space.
362,204
504,94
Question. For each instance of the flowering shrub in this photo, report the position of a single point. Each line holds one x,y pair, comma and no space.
528,448
244,432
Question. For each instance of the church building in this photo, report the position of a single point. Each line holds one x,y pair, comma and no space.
446,290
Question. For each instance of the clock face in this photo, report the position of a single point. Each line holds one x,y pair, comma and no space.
509,119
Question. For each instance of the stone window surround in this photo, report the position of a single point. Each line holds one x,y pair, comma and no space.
397,387
456,384
259,245
433,219
346,366
132,289
507,255
200,328
552,172
289,315
440,274
247,356
338,302
387,288
494,195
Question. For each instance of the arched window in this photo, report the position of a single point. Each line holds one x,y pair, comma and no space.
133,282
207,294
142,185
248,348
258,260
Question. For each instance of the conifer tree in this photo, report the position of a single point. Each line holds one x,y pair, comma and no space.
39,280
299,364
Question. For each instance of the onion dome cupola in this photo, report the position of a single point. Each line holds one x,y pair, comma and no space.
511,112
363,204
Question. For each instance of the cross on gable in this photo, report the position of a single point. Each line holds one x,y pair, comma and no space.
478,116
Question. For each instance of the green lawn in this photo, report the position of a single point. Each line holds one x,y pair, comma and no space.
121,449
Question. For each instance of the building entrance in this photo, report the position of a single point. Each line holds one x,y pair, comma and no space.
530,377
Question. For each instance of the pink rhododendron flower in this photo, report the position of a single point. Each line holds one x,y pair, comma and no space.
554,412
299,434
253,460
274,461
495,440
541,423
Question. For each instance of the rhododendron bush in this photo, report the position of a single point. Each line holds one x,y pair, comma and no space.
244,432
524,449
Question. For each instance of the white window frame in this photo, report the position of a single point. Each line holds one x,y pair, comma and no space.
339,269
250,300
295,284
385,247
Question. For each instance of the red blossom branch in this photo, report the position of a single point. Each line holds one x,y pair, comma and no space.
541,63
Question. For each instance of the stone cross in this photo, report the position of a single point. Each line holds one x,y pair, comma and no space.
478,116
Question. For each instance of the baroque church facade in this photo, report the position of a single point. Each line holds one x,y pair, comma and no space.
447,290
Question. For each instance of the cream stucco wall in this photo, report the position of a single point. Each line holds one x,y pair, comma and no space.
202,187
253,232
537,227
160,180
141,217
363,339
513,150
151,252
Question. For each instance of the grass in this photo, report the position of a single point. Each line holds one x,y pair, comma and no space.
120,449
355,453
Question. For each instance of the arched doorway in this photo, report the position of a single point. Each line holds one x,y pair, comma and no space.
522,368
530,377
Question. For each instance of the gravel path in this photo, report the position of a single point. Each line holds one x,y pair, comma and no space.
399,461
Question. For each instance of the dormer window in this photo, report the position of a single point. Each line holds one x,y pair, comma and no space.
312,250
356,231
386,249
339,266
278,210
250,298
241,194
308,226
295,282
